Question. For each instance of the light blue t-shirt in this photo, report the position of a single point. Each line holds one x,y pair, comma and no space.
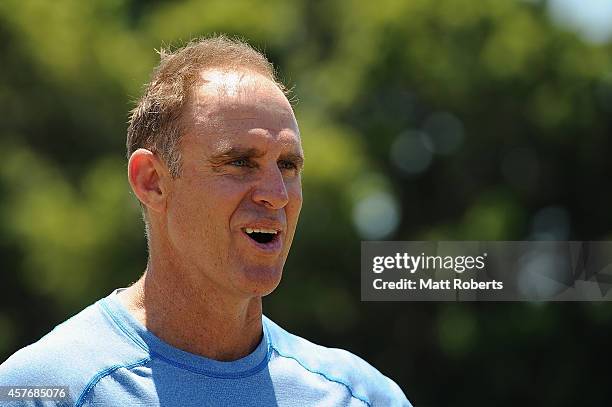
107,358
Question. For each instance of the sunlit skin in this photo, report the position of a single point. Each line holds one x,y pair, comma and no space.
241,168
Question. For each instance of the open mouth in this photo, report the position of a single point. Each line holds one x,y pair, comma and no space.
262,236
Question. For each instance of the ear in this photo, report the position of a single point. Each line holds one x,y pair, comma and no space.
148,177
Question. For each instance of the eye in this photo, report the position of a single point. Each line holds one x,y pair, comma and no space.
287,165
241,162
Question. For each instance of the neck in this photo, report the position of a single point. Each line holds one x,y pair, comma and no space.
193,316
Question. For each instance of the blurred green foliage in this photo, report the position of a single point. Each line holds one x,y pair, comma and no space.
511,114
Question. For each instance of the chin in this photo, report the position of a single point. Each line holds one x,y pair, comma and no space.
260,280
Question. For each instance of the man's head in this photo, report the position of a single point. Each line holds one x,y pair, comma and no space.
215,159
156,123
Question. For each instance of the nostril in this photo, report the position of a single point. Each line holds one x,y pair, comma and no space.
271,193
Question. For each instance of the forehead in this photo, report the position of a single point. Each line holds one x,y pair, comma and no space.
229,105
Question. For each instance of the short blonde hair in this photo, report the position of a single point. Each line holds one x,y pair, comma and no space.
156,121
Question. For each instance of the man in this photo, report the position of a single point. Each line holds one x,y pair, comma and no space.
215,160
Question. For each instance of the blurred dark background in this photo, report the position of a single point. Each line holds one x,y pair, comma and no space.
441,120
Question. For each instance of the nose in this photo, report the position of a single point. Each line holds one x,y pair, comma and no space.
271,190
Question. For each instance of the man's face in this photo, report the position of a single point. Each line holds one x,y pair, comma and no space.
233,211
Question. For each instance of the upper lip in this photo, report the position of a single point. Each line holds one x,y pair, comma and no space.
263,224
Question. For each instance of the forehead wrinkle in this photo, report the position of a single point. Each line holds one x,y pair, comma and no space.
222,121
256,140
224,114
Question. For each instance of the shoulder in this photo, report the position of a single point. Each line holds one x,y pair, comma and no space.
363,380
73,354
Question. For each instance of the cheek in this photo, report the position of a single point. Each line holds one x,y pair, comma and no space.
206,206
295,202
189,213
184,219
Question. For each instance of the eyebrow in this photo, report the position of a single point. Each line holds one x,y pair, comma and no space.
295,158
236,152
233,153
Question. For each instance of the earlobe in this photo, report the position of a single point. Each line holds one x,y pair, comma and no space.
145,174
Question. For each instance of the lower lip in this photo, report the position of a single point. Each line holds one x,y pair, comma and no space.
272,247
